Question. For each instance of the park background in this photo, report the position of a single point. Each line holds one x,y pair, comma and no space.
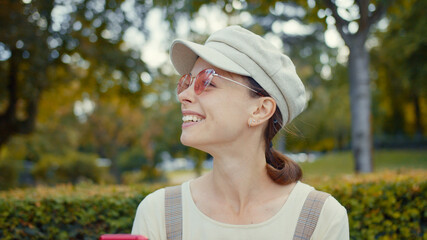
90,121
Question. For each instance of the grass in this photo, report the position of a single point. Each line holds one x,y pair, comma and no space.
336,164
342,163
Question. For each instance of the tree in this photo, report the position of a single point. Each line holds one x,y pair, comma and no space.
325,124
401,68
46,43
354,21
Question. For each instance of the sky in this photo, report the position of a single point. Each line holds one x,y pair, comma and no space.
212,18
155,49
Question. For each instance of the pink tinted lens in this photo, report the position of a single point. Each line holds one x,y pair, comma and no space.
184,83
203,79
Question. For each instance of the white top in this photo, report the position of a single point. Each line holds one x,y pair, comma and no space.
150,221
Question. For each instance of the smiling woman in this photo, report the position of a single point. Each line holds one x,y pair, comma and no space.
237,91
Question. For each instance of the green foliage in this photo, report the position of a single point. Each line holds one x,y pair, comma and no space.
384,206
316,132
400,66
9,170
46,43
70,167
132,159
388,205
68,212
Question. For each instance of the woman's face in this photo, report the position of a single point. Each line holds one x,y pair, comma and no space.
219,115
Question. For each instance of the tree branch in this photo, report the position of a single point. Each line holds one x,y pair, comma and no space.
364,15
378,14
366,19
340,22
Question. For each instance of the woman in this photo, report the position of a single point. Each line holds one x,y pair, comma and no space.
237,91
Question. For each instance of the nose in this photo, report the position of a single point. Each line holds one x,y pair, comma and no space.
188,95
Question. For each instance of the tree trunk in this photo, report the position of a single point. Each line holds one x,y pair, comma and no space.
360,98
7,118
419,130
358,66
9,123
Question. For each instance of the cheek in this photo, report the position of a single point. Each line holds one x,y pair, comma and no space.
234,112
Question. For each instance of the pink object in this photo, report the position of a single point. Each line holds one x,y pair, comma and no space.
122,237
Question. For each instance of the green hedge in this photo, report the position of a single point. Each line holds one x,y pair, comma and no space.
68,212
381,206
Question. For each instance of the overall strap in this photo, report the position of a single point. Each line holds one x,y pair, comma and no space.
309,215
173,213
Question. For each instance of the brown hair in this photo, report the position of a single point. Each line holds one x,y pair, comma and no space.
281,169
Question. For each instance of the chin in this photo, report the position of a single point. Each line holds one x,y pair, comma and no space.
191,142
187,141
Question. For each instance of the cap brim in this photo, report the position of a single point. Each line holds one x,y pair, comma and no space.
185,53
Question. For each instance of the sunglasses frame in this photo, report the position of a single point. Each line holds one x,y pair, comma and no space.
214,74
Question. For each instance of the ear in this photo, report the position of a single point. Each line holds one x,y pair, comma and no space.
263,112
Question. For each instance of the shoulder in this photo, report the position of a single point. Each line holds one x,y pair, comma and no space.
301,192
332,203
303,188
333,209
332,222
149,217
330,207
154,203
153,200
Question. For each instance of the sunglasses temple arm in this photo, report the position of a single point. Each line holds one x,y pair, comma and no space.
231,80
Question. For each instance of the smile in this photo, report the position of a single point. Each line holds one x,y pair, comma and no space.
191,118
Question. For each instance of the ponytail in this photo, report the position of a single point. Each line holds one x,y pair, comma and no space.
280,168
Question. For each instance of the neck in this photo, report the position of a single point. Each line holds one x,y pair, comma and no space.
239,175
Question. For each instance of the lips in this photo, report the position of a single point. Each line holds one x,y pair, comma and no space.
190,118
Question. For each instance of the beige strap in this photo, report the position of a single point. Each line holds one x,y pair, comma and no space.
307,220
173,213
309,215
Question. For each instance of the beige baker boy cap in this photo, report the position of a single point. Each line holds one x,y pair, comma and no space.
237,50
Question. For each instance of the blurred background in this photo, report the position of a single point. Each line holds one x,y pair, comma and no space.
87,91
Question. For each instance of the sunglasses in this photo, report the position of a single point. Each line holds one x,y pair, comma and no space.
202,81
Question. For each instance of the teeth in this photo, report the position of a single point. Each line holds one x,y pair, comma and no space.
191,118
